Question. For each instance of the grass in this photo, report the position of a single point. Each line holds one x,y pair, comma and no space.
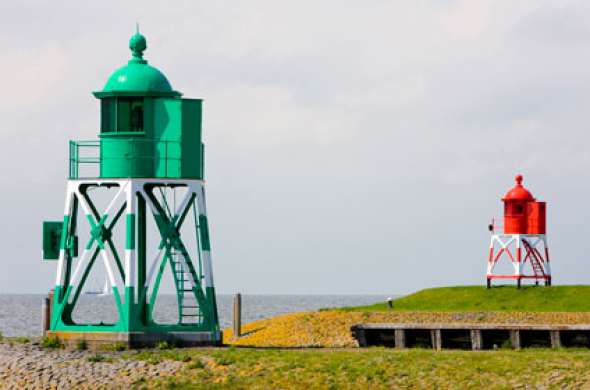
81,345
114,347
98,358
500,298
20,340
530,305
375,368
51,342
164,345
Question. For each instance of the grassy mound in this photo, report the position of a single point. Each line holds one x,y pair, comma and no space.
331,328
500,298
557,305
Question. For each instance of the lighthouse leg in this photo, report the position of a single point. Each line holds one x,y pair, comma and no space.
490,267
206,256
518,262
130,265
547,263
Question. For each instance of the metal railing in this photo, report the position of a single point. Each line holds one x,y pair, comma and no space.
91,153
75,158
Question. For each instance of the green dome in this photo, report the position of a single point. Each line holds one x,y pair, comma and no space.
137,78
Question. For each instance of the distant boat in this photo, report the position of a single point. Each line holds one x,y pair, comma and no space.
105,291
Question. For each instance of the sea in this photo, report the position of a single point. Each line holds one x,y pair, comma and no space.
20,315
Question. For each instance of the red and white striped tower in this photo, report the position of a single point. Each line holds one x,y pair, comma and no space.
522,240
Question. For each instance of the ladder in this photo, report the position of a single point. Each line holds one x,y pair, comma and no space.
535,259
188,308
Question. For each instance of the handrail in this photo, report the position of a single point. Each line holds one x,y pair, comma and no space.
76,159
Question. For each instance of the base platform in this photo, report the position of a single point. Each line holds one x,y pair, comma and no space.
98,340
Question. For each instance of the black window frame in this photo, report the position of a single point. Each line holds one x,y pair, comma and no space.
114,120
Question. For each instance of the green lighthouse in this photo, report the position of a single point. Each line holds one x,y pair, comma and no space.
135,201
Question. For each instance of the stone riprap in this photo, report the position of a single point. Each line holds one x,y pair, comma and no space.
28,366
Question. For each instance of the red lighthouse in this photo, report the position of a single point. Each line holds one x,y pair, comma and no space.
522,240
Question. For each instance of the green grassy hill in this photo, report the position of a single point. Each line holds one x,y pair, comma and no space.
500,298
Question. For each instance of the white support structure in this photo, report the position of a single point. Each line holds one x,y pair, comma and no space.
136,291
528,254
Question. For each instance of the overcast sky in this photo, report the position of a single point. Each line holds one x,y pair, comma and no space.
353,147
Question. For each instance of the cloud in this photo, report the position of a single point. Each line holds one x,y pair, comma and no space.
30,75
346,133
263,116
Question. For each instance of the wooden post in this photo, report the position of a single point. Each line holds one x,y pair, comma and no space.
555,339
237,315
50,296
359,334
400,338
436,337
476,340
515,338
46,312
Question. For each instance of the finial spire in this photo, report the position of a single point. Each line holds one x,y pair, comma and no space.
137,44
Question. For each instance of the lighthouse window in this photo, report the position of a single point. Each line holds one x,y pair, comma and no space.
107,115
518,209
129,115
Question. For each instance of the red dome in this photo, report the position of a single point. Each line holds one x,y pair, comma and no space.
518,192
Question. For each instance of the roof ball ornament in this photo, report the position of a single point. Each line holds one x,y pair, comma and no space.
138,44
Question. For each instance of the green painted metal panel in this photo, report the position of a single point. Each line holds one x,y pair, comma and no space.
202,170
148,117
191,138
51,239
130,227
126,156
141,258
168,119
204,229
64,228
168,135
212,308
168,159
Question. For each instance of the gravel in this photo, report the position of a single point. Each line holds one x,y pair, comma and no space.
28,366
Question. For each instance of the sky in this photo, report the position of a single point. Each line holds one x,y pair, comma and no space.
352,147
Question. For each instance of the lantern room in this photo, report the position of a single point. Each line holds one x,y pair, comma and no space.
146,129
522,213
